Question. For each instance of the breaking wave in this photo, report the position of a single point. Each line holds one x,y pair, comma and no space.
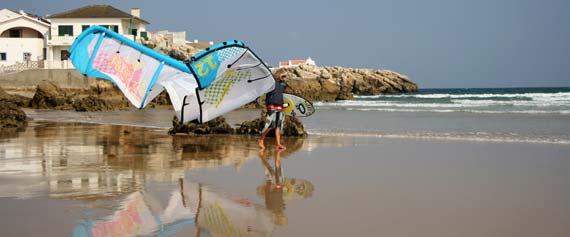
490,101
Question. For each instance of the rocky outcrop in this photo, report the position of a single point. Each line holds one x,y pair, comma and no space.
102,97
337,83
181,51
20,101
11,116
292,127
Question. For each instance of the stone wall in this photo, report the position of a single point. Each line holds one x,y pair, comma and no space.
29,79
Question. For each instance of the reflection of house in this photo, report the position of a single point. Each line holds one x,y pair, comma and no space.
66,26
22,37
293,63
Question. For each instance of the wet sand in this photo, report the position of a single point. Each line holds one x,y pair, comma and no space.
73,179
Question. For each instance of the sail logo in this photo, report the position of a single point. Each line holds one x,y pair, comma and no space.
127,72
206,69
203,67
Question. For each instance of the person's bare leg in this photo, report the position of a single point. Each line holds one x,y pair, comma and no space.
262,138
278,139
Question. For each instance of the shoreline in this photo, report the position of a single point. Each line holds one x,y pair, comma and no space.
247,114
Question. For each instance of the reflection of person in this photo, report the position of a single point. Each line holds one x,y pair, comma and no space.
273,187
275,115
278,189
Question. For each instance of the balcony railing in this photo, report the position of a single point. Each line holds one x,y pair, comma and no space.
40,64
61,40
68,39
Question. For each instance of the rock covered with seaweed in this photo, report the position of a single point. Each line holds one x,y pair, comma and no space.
292,127
11,116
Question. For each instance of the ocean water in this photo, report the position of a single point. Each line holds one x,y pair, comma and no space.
474,100
532,115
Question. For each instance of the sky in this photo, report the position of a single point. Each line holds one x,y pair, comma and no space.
437,43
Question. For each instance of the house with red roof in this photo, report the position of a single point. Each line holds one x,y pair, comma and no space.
66,26
297,62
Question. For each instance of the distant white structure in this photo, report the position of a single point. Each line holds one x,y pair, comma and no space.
66,26
23,37
200,45
168,39
297,62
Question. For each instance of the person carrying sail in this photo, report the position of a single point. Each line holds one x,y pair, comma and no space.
275,115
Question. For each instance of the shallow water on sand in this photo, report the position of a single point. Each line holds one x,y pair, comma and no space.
78,179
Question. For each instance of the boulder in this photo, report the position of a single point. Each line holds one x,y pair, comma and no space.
252,127
20,101
91,104
11,116
48,96
292,127
215,126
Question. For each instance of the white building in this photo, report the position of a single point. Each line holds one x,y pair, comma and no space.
22,37
66,26
297,62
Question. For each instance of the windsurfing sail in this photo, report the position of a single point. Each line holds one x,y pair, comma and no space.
229,75
213,82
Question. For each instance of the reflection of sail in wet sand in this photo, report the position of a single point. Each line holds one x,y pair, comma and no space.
211,212
137,216
225,217
221,215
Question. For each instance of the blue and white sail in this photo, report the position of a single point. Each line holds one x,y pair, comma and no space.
135,69
213,82
230,75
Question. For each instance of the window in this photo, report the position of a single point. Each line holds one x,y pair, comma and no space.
15,34
64,55
27,56
65,30
144,35
84,27
2,56
114,28
134,32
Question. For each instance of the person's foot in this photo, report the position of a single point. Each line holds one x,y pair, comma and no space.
260,142
281,147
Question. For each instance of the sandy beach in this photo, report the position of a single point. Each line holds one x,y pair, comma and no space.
399,118
76,179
